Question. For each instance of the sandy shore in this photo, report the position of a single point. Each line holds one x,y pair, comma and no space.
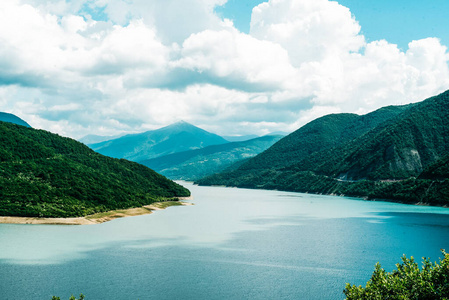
96,218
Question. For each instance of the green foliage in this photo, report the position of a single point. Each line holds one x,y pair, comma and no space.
82,297
395,153
45,175
409,281
437,171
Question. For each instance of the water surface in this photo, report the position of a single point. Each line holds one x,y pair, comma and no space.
232,244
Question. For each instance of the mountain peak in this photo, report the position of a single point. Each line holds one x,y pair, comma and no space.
177,137
181,123
182,126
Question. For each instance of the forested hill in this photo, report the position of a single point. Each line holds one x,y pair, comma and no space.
10,118
318,135
397,149
46,175
438,170
380,160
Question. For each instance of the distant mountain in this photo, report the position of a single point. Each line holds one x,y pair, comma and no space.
10,118
93,139
378,155
282,133
45,175
177,137
240,138
195,164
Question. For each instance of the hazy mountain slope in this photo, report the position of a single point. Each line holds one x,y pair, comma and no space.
413,139
174,138
94,139
241,138
195,164
10,118
43,174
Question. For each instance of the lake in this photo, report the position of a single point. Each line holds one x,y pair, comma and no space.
232,244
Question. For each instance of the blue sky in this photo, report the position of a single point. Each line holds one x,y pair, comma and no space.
401,21
78,67
397,21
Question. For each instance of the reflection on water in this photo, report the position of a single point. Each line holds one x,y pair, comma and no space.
233,243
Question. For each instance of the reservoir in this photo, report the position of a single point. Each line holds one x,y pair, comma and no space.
231,244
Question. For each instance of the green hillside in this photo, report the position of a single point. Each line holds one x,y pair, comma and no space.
318,135
177,137
195,164
45,175
379,160
438,170
400,148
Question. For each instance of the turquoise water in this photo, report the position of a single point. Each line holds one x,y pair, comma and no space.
232,244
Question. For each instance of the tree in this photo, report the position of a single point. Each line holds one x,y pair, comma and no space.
71,297
407,282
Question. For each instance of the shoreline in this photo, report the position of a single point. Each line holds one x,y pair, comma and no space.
96,218
364,198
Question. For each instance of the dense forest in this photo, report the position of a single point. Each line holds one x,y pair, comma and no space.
395,153
45,175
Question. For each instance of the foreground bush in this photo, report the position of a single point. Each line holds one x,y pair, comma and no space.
407,282
71,298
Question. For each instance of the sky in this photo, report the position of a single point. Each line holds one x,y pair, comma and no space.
232,67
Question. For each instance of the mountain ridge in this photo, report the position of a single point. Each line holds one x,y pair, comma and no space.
177,137
194,164
383,162
323,133
95,139
403,146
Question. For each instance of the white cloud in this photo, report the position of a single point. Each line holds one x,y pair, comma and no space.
73,24
30,40
43,44
65,107
337,69
198,103
309,30
174,20
429,59
382,76
237,57
155,62
132,47
56,7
